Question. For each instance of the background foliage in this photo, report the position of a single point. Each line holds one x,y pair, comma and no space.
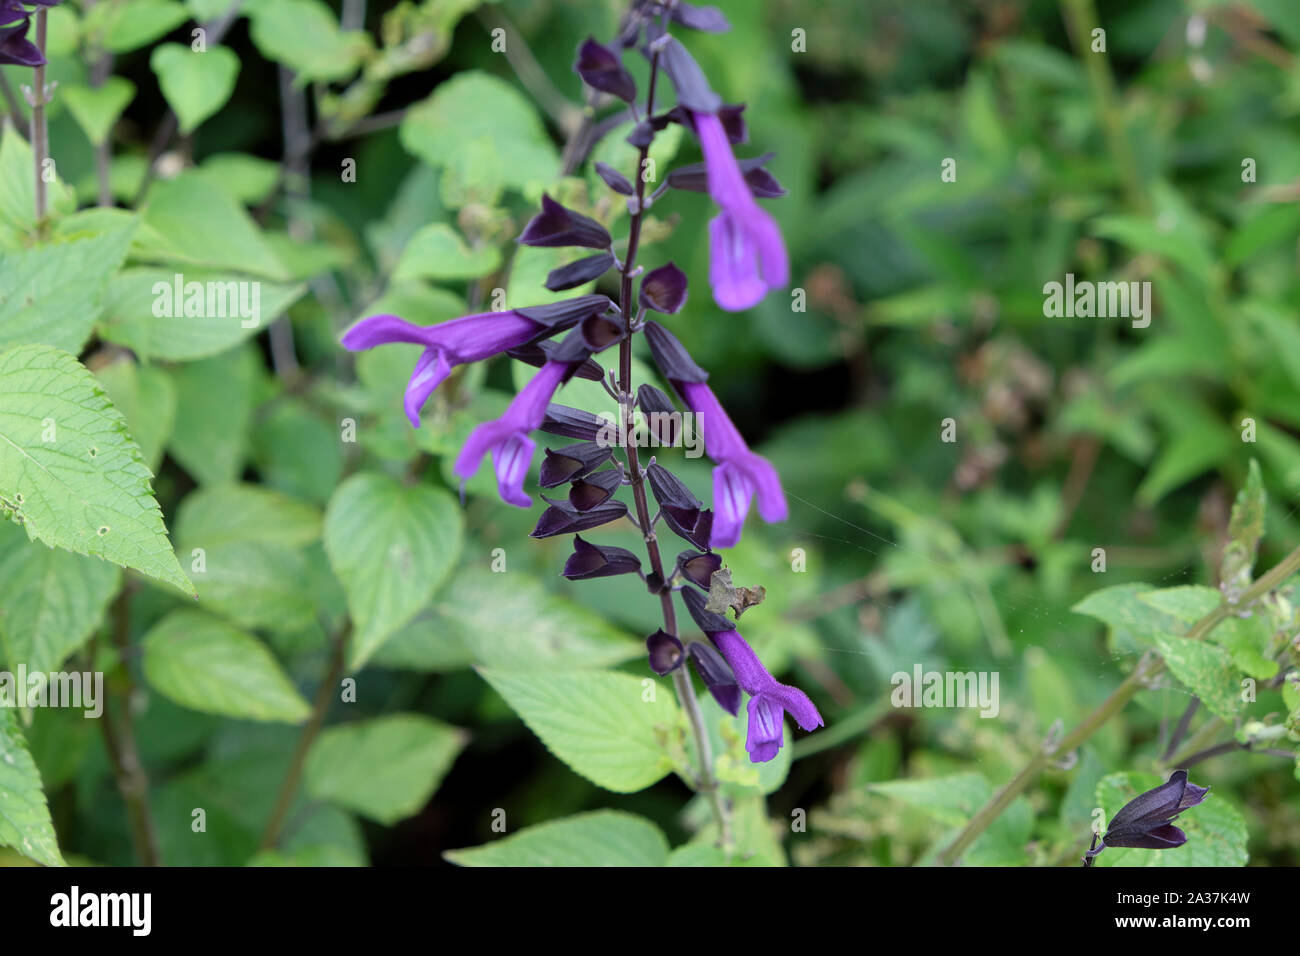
924,302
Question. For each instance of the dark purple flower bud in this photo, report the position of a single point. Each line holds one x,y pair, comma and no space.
671,356
569,312
693,90
15,48
762,184
708,19
572,462
599,332
1146,820
557,226
662,418
666,652
614,179
698,566
664,289
684,513
706,620
717,676
580,272
573,422
596,561
538,354
562,518
602,69
595,489
642,135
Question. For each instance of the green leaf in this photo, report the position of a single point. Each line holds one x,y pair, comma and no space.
201,662
53,293
437,252
385,768
193,221
731,763
1206,670
69,472
953,800
130,24
145,396
250,179
510,620
1133,622
196,85
218,514
213,312
617,731
305,36
1245,529
390,545
51,601
214,406
18,198
601,838
97,109
25,821
1216,832
1186,603
473,106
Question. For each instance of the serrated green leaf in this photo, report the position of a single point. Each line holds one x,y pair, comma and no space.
474,106
601,838
385,768
143,312
54,292
1216,832
18,198
305,36
1186,603
391,546
214,407
608,727
196,85
25,821
69,472
145,396
510,620
51,601
193,221
1133,623
201,662
97,109
1206,670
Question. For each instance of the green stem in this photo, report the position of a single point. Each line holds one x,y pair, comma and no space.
1149,665
40,130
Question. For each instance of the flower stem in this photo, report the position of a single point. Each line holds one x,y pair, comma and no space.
40,131
707,784
324,697
1147,667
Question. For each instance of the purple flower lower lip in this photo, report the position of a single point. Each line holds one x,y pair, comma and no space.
769,700
15,48
747,253
507,437
740,474
467,339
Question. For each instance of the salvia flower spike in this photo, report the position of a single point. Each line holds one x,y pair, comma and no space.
748,260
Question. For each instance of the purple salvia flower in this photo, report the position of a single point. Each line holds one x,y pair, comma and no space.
467,339
507,437
740,474
1146,821
15,48
769,699
747,253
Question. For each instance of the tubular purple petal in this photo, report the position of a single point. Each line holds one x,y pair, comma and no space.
507,437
